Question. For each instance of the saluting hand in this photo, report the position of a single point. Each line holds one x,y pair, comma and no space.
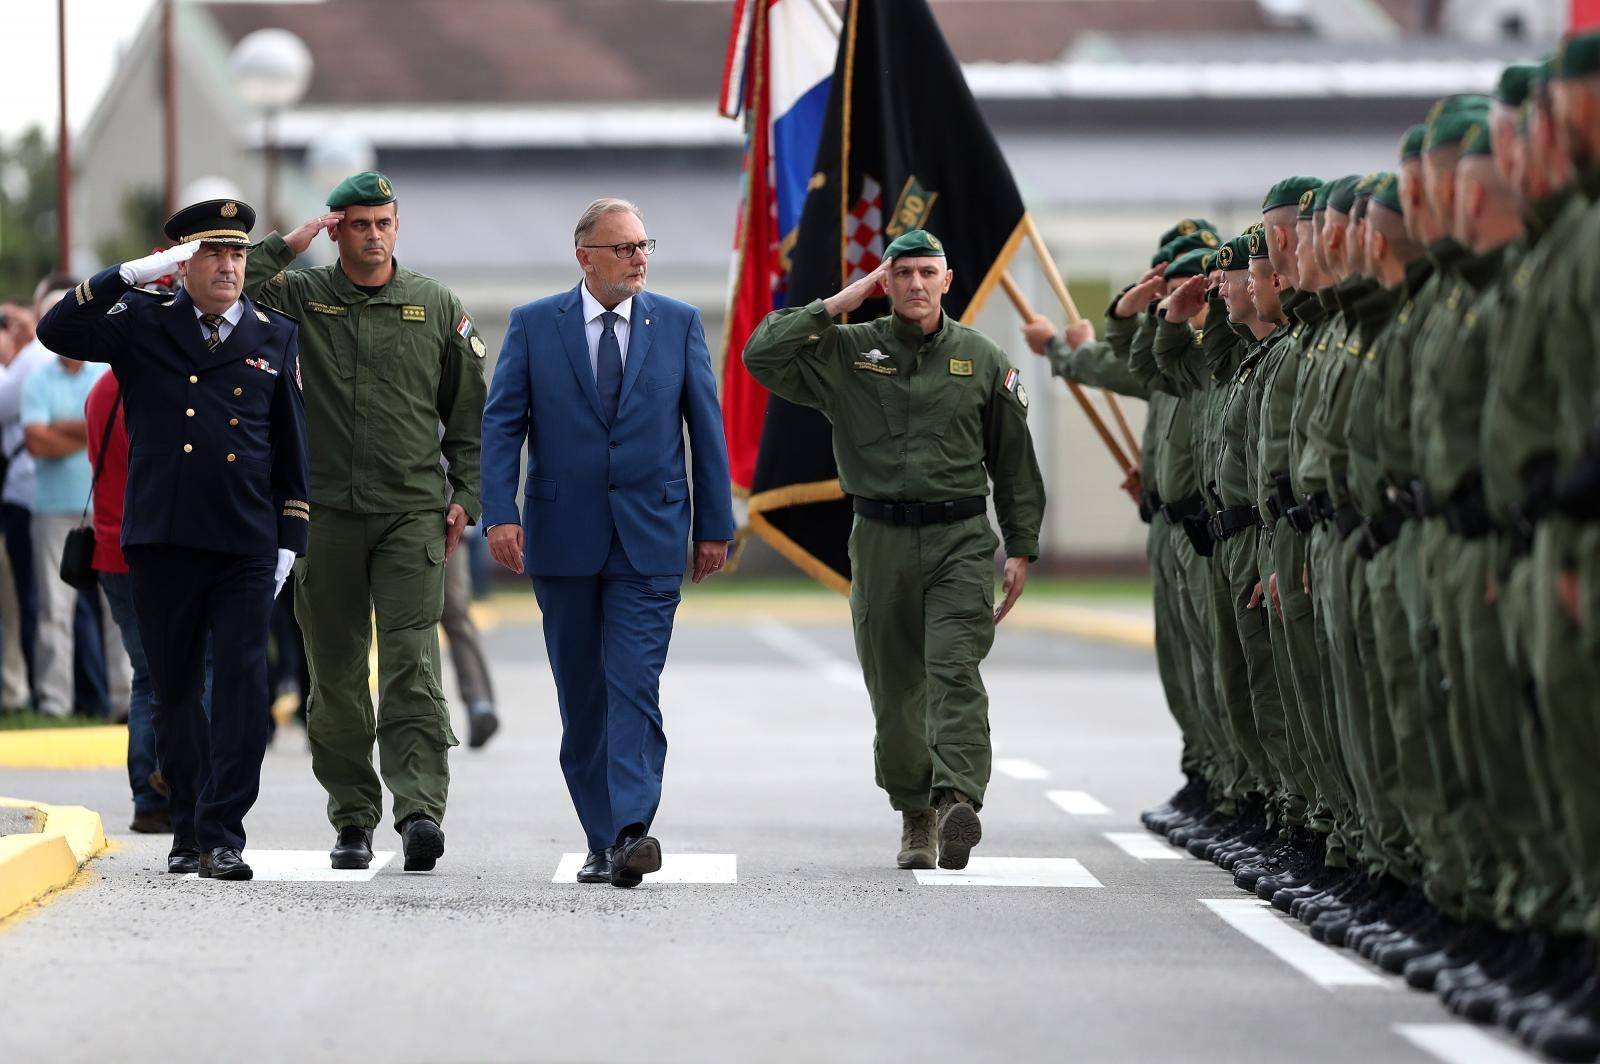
1016,576
857,292
1144,292
710,555
301,238
1186,302
505,546
455,523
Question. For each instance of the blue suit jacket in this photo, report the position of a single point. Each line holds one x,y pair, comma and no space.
585,477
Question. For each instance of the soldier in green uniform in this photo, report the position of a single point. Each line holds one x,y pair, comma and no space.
389,357
926,411
1104,364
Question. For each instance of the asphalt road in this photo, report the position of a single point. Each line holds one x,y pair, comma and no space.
821,950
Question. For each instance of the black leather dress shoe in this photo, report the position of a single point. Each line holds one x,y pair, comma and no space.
352,849
422,839
183,858
633,858
151,822
224,862
482,723
597,869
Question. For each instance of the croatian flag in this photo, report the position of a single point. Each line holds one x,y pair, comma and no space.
775,77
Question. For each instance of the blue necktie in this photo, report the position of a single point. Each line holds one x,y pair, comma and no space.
608,367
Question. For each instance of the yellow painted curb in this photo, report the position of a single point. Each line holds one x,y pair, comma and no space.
99,747
33,865
1085,622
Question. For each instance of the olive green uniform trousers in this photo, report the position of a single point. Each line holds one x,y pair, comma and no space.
922,603
388,567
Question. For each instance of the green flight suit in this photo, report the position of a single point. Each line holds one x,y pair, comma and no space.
1391,835
1233,485
1284,555
1434,790
382,373
1104,364
1447,407
917,419
1569,660
1539,330
1174,401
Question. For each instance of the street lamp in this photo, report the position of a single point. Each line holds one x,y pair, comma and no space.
271,71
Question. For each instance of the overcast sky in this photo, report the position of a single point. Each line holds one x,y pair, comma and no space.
97,30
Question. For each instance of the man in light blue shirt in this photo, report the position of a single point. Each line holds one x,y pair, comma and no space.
54,433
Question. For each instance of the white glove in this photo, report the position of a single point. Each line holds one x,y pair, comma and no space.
141,271
285,563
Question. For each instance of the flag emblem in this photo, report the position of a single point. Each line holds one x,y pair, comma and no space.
464,326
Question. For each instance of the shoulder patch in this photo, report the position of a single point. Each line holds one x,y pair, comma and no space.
261,316
117,308
477,345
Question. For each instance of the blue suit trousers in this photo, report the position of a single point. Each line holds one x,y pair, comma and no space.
607,638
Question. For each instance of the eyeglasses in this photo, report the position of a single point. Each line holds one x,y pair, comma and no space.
625,251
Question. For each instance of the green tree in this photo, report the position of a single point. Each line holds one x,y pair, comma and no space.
142,218
27,213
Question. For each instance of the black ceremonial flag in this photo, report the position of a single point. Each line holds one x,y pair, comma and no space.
903,147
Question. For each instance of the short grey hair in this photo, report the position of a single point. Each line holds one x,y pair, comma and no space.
598,209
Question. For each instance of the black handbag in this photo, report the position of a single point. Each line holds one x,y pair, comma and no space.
77,553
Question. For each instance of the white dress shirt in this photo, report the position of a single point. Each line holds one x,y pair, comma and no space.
230,318
593,327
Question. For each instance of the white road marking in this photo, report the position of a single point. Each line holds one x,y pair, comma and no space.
1144,846
306,866
787,640
1257,921
675,868
1020,769
1458,1043
1078,803
1011,872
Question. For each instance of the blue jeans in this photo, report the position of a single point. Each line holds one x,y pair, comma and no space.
141,730
141,701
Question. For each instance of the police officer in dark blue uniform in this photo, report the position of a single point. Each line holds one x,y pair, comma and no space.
216,507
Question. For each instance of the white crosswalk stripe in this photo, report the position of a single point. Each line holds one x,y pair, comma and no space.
1078,803
1257,921
1457,1043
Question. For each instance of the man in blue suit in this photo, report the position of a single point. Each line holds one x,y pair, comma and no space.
600,382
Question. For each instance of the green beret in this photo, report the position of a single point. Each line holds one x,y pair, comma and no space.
1194,263
916,242
1449,128
1578,56
1235,254
1185,227
1411,143
1475,141
1343,196
1386,191
366,189
1256,238
1463,101
1200,239
1515,81
1288,193
1319,202
1308,202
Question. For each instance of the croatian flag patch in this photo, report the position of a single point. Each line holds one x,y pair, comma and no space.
464,326
1011,380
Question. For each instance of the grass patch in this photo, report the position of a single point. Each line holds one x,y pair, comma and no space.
29,719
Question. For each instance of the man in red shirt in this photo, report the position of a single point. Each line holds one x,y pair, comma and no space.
149,804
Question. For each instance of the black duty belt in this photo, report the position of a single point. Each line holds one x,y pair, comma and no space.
1466,513
920,513
1231,520
1149,506
1346,518
1320,504
1423,504
1177,512
1384,529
